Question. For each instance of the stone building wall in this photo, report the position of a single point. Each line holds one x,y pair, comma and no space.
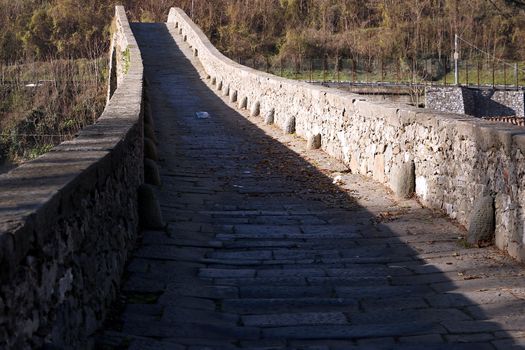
68,220
476,102
456,157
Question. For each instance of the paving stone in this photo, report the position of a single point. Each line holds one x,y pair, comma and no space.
189,302
226,273
394,303
295,319
285,292
257,255
178,314
509,344
470,298
364,270
263,281
349,281
264,344
393,316
423,339
500,309
470,326
377,343
201,291
352,332
260,244
323,344
282,305
381,292
263,229
248,254
469,338
149,344
308,272
304,254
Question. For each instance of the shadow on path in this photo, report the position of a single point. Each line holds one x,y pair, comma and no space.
263,251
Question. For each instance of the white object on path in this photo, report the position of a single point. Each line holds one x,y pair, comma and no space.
202,115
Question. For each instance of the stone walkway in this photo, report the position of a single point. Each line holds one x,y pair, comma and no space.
263,251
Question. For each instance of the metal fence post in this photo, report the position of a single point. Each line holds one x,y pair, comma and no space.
466,72
504,75
493,74
516,75
479,70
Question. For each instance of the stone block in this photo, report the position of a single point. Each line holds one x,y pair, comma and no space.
269,118
403,179
149,208
243,103
289,126
233,96
379,168
148,115
150,150
219,86
150,133
482,221
226,91
314,142
151,172
256,109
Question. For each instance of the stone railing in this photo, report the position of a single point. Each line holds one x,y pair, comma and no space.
68,220
452,161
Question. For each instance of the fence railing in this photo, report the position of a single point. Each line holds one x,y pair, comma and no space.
472,72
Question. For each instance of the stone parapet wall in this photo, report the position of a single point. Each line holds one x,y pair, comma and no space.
68,220
456,157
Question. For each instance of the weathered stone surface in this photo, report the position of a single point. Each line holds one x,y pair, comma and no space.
314,142
298,319
233,96
269,117
403,180
289,126
243,103
476,102
150,133
148,116
256,109
68,219
481,227
149,208
150,149
151,172
452,153
263,250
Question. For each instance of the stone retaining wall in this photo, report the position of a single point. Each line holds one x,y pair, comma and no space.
456,157
69,218
476,102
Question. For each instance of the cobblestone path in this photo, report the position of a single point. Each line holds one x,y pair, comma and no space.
263,251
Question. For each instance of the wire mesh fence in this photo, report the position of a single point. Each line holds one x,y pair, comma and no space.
431,71
45,103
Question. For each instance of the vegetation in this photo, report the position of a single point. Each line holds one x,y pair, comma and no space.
337,34
389,29
44,103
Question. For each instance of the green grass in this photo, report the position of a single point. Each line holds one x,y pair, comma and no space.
396,75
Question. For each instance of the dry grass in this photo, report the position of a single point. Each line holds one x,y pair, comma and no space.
45,103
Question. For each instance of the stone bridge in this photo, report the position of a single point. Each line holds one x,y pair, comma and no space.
281,219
